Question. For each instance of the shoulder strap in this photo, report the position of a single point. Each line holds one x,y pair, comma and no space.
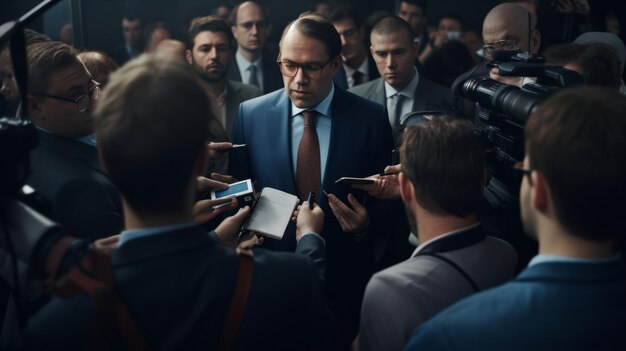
238,302
455,266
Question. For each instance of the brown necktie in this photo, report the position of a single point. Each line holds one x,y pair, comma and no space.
308,163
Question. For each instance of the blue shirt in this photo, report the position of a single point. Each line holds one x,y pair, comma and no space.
322,127
565,259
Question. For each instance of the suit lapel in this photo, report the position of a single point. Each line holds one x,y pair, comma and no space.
421,97
280,133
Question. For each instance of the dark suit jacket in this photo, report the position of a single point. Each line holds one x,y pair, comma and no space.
360,145
341,80
272,79
177,287
237,93
82,198
549,306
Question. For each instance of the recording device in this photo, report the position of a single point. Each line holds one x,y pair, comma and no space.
503,110
243,191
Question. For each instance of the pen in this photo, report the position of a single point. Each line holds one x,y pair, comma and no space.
311,199
388,174
237,146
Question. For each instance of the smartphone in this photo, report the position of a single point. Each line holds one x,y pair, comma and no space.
351,180
243,191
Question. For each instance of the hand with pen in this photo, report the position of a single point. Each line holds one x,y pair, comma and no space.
386,186
309,217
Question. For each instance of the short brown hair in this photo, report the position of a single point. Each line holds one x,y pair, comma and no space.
577,141
208,24
392,24
598,61
151,124
317,27
46,58
444,158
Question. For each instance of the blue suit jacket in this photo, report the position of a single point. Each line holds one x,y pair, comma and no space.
177,287
360,145
549,306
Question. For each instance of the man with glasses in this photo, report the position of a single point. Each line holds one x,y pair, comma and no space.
65,169
254,62
358,66
305,137
507,27
571,295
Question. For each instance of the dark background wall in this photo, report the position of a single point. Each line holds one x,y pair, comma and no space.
100,19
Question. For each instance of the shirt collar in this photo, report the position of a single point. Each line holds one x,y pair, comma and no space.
244,63
407,92
566,259
131,234
363,68
87,139
439,237
323,108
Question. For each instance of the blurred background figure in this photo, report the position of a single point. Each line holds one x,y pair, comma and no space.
222,11
156,33
66,34
132,30
172,46
447,62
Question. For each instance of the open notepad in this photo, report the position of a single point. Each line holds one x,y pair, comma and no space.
272,213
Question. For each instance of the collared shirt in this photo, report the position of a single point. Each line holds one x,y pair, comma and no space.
408,93
218,106
566,259
131,234
243,65
421,246
322,127
363,68
87,139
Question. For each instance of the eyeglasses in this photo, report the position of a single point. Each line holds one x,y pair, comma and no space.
82,101
249,25
507,44
518,167
311,70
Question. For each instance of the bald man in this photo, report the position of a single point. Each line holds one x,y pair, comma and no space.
254,63
507,27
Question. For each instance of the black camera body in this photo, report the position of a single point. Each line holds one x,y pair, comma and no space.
502,110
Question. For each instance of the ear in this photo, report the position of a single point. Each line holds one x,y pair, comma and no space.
202,161
541,193
535,42
336,64
34,109
407,191
233,29
188,56
416,48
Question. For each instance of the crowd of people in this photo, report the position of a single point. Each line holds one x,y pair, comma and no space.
132,141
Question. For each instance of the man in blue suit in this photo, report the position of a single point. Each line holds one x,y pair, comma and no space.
305,137
175,279
571,295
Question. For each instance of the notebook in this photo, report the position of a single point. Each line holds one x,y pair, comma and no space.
272,213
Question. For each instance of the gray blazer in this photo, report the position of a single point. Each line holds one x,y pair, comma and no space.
428,95
400,298
237,93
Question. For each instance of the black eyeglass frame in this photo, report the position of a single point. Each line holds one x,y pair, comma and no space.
97,87
307,70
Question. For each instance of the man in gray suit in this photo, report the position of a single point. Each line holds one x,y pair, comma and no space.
400,89
210,54
441,186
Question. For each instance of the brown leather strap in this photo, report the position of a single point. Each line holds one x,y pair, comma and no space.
238,302
133,337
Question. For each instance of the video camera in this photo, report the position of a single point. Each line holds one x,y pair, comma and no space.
503,109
